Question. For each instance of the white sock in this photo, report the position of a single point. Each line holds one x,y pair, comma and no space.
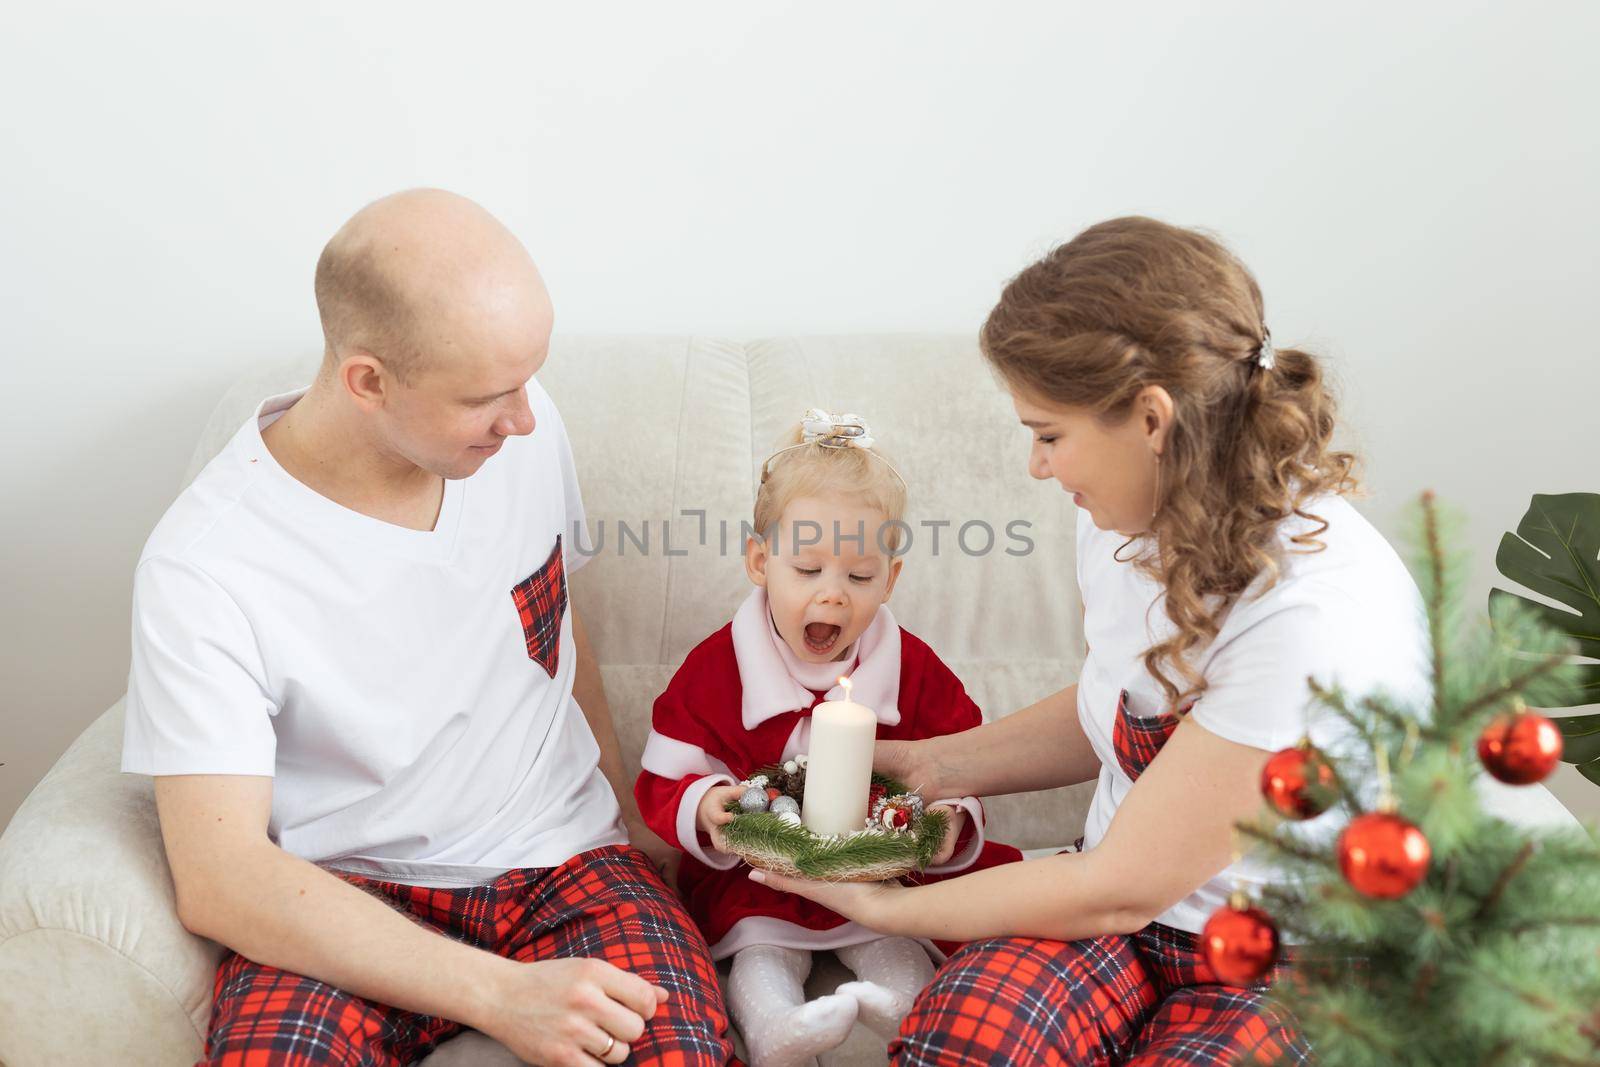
766,994
892,971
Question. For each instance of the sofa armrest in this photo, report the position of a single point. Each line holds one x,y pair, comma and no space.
95,966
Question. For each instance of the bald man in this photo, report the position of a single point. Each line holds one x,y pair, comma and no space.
384,765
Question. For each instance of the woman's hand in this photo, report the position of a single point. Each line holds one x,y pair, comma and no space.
1040,747
872,904
909,762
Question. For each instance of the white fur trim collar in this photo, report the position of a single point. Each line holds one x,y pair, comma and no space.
770,689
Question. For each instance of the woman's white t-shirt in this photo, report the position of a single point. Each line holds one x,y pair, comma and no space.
383,676
1349,615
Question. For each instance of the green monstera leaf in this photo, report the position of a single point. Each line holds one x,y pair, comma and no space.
1556,552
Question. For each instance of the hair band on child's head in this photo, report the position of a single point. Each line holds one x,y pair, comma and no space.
822,427
1266,355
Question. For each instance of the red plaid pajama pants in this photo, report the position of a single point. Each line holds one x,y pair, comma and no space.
1145,999
608,904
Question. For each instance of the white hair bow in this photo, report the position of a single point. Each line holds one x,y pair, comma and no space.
820,426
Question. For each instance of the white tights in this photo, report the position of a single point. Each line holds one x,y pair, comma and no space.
766,994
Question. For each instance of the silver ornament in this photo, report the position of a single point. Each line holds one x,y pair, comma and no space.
783,804
754,800
790,817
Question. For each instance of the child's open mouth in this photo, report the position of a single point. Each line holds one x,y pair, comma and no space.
821,636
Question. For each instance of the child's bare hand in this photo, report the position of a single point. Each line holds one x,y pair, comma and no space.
713,813
952,833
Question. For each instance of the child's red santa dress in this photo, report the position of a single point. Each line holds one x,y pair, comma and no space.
743,700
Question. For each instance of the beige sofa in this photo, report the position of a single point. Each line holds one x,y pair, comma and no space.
94,967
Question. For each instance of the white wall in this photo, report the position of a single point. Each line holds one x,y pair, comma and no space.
1414,184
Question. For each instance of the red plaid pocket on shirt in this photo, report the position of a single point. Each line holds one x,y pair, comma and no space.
1138,739
541,601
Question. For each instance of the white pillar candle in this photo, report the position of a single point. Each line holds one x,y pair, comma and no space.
839,766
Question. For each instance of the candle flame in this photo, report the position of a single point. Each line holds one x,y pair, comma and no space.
844,680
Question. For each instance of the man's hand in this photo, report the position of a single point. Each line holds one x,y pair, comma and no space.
665,858
237,887
952,833
566,1012
713,813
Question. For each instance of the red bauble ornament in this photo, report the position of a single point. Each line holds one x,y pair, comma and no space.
1298,782
1520,749
773,793
1240,943
896,818
1382,855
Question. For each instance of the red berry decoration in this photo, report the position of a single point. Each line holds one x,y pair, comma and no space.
1298,782
1520,749
773,793
1382,855
1240,943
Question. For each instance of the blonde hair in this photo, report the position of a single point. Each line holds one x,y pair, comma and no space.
1132,303
817,469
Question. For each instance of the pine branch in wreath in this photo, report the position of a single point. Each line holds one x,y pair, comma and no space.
872,854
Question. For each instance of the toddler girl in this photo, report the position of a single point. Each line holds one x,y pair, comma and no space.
829,512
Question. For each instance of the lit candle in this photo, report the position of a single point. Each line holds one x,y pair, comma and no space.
839,766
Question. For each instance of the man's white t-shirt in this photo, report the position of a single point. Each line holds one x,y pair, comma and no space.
415,727
1349,615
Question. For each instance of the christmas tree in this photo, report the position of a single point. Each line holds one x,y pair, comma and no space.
1422,929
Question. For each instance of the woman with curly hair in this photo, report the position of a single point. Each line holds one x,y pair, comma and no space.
1221,565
